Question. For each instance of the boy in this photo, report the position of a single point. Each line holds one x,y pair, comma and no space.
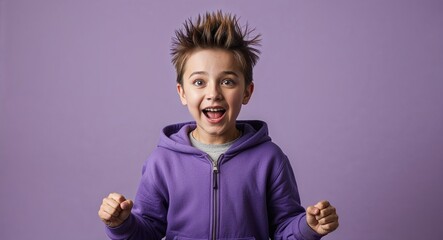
216,177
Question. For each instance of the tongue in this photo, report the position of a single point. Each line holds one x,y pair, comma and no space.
214,115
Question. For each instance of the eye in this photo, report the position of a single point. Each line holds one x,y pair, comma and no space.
228,82
198,82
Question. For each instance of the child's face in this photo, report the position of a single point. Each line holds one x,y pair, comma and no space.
214,90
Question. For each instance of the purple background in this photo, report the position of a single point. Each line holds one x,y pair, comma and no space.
352,91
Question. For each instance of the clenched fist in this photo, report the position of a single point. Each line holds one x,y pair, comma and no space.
322,217
115,209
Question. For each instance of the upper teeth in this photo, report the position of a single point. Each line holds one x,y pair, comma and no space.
213,109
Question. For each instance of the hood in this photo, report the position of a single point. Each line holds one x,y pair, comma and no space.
175,137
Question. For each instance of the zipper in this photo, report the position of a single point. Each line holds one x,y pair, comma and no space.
214,176
215,185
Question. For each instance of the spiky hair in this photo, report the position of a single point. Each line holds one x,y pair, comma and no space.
217,31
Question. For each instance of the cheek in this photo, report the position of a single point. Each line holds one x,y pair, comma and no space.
193,101
236,101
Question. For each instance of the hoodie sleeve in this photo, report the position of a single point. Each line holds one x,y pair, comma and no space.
148,217
287,216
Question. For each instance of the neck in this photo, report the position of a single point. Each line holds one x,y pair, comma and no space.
216,139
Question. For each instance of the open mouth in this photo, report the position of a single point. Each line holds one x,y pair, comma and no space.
214,112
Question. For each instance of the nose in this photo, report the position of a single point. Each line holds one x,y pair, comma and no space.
213,92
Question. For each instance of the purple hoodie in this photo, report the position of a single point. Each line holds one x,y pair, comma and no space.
250,194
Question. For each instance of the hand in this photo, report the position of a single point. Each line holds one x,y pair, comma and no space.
115,209
322,217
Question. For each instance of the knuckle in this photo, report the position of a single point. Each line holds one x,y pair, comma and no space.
102,208
326,203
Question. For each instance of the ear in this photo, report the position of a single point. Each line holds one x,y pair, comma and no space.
181,94
248,93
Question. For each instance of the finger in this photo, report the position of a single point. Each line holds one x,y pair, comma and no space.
117,197
326,212
311,210
111,210
328,219
322,204
111,205
330,226
111,202
104,216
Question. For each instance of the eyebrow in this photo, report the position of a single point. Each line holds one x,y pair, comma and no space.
205,73
197,73
230,73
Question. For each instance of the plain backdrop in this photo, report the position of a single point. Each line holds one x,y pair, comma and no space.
352,92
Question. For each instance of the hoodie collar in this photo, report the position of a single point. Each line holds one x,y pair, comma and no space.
175,137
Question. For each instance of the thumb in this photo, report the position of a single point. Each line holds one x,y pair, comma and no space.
126,205
313,211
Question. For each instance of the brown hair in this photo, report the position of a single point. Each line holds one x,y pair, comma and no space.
220,31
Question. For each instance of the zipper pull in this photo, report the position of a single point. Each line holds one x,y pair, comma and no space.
214,176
